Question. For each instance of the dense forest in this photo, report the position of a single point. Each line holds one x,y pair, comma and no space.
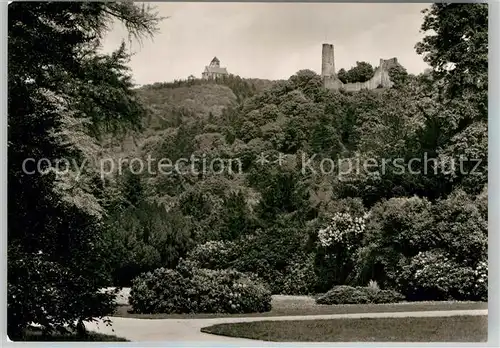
291,209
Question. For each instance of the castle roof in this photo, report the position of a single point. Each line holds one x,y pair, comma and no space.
215,69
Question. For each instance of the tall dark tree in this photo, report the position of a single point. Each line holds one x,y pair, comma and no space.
236,217
62,94
456,47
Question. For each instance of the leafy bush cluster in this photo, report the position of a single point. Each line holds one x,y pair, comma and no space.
344,294
426,251
213,254
337,245
299,277
275,255
434,275
362,72
188,289
296,276
342,229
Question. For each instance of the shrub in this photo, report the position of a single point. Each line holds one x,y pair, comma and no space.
343,229
212,254
397,229
462,227
380,296
344,294
434,275
270,254
189,289
48,293
481,286
337,247
159,291
299,277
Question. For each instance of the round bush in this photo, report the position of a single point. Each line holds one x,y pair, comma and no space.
435,276
160,291
380,296
212,254
188,289
344,294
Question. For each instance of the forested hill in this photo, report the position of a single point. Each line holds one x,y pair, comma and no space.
290,124
169,104
325,188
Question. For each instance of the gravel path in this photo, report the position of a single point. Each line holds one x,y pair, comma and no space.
189,329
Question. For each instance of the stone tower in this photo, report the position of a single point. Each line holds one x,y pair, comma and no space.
328,61
380,79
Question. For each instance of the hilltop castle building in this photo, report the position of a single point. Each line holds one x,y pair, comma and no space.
214,70
380,78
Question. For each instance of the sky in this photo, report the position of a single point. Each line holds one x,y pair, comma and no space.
271,40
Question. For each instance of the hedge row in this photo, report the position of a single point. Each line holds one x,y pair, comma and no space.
188,289
345,294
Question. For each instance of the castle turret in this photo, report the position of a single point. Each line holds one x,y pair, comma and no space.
328,62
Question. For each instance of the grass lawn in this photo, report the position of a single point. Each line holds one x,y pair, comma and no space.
433,329
290,305
36,335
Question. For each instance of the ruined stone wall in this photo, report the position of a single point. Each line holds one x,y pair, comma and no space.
380,78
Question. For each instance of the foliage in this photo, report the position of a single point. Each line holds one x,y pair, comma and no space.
57,300
241,87
300,277
188,289
461,228
362,72
344,294
270,253
434,275
338,243
63,94
379,296
142,238
282,193
213,254
458,51
398,75
340,230
465,158
397,228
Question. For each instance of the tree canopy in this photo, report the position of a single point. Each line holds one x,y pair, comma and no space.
63,94
362,72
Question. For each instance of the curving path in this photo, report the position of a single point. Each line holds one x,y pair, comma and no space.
189,329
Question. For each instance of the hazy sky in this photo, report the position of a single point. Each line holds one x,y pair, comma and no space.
272,40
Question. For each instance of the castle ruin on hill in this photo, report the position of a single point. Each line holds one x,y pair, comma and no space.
380,78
